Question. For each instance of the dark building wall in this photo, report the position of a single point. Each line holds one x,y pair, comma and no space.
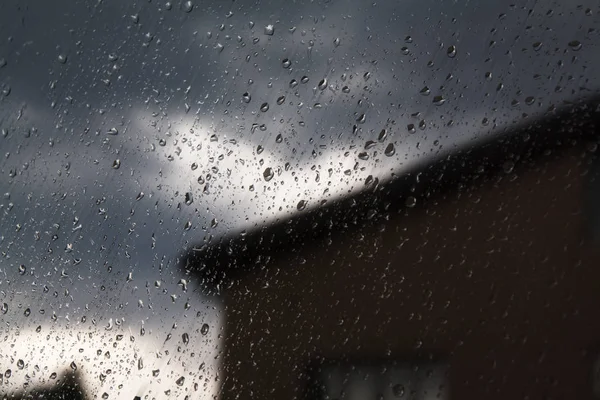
496,276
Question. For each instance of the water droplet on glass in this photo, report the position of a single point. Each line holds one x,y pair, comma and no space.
188,6
390,150
180,381
304,79
20,364
425,91
280,100
323,84
508,166
246,97
361,119
286,63
293,83
155,372
346,89
4,308
411,128
529,100
187,226
264,107
116,164
537,46
185,338
575,45
105,395
336,42
140,363
113,131
189,198
411,201
268,174
269,30
62,58
204,329
73,366
139,196
398,390
7,373
301,205
27,312
382,135
439,100
451,52
22,269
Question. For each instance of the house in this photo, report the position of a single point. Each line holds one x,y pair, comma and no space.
484,260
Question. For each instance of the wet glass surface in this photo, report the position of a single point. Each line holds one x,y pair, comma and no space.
209,198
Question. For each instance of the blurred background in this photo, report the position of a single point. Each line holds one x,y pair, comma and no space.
330,199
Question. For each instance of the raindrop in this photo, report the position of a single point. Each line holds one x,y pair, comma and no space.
27,312
438,100
336,42
304,79
286,63
22,269
155,372
53,375
575,45
62,58
7,373
139,196
398,390
187,226
411,128
508,166
382,135
390,150
105,395
188,198
537,46
180,381
268,174
113,131
188,6
529,100
279,138
411,201
451,52
116,164
264,107
140,363
4,308
293,83
20,364
301,205
280,100
425,91
269,30
73,366
323,84
204,329
346,89
361,119
246,97
186,338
